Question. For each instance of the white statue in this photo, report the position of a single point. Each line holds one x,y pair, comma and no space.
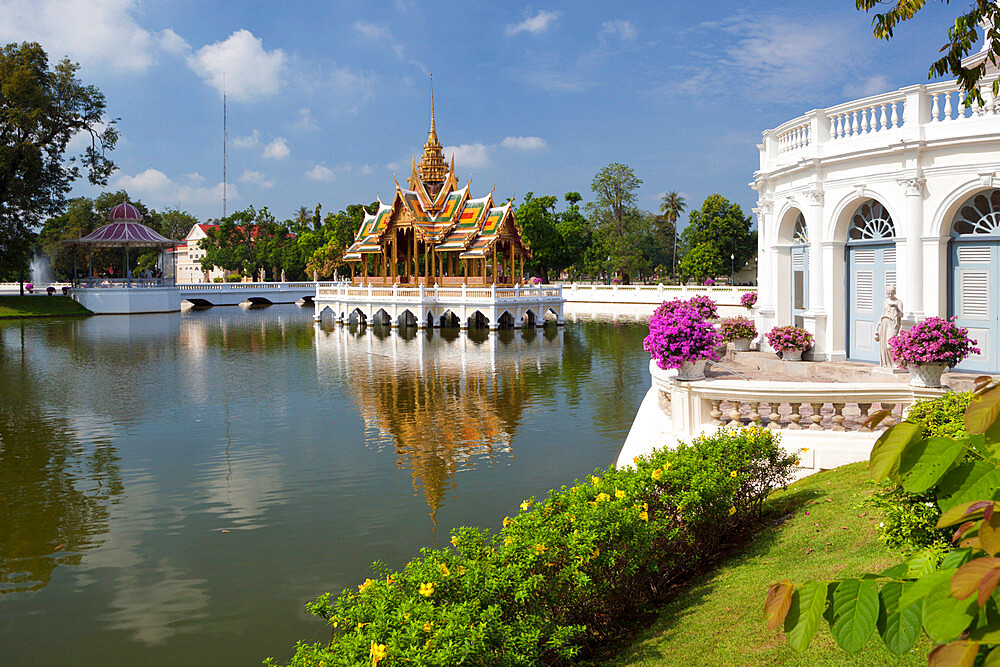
888,325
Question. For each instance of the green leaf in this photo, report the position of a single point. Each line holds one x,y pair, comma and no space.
884,459
924,462
968,482
897,571
920,588
808,603
955,558
992,658
855,613
944,617
921,563
898,629
983,410
987,634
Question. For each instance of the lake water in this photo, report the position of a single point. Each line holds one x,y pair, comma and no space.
174,488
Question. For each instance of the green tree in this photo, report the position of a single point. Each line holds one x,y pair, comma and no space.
981,20
576,234
246,242
41,110
176,224
616,220
703,261
538,221
338,232
721,223
671,208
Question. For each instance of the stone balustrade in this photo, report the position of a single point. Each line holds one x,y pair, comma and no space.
913,113
823,420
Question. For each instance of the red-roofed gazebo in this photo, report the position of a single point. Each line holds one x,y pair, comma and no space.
124,231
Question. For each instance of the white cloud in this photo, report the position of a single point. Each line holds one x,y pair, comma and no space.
374,31
320,173
241,65
277,149
256,178
157,189
100,33
524,143
304,121
873,85
623,30
195,177
250,141
173,43
468,156
538,23
353,89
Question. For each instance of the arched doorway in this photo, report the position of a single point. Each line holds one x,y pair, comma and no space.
975,277
800,271
871,262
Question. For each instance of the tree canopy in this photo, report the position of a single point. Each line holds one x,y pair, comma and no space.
41,109
721,224
982,20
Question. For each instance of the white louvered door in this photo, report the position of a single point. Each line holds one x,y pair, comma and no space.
973,301
871,268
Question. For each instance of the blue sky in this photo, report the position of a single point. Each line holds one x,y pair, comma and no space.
328,99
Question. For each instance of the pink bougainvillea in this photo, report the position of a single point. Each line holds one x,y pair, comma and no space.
782,339
702,304
932,341
681,335
749,300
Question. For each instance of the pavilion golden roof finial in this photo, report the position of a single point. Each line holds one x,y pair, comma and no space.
433,170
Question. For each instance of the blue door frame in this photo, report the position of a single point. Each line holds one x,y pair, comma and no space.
871,268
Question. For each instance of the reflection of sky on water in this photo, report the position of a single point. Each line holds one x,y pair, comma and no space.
171,483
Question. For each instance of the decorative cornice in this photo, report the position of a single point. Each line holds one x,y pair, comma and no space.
815,196
914,186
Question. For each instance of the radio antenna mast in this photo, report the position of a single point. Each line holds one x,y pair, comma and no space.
225,143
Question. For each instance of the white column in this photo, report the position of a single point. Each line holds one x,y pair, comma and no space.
909,272
816,314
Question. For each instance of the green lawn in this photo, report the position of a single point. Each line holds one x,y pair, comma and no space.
823,530
12,307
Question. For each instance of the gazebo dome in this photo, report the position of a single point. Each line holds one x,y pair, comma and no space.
125,212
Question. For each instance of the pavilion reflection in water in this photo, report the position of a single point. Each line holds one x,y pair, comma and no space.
445,401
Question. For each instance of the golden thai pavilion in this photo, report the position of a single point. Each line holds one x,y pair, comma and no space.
435,233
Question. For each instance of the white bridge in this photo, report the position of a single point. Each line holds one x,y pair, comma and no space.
153,296
421,306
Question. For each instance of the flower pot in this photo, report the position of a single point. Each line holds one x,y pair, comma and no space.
741,345
692,370
791,355
926,375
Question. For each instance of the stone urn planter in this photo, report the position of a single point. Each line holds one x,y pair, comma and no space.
926,375
741,345
791,355
692,370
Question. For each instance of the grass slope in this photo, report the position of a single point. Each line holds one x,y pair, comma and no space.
825,531
12,307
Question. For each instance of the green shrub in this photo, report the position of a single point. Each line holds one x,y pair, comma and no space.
910,517
234,278
568,570
218,279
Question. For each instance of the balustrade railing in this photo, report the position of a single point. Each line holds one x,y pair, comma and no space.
363,292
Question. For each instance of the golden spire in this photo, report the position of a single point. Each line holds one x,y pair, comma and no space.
433,170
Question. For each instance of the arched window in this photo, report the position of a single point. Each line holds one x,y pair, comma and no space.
800,236
979,216
871,222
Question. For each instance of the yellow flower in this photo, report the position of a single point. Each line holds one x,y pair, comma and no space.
597,552
645,507
644,515
619,493
657,474
732,511
427,589
804,450
595,480
603,497
362,587
506,520
378,653
508,540
525,505
444,569
454,541
635,460
391,579
732,474
666,466
540,548
572,518
427,626
406,615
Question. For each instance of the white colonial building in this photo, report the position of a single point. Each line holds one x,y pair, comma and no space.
902,189
187,258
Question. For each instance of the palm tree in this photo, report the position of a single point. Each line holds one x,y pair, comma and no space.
672,207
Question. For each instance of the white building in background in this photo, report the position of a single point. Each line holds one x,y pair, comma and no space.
188,255
902,189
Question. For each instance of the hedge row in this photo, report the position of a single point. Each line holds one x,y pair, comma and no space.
566,571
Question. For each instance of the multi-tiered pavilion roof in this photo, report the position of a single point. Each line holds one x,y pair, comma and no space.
432,222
